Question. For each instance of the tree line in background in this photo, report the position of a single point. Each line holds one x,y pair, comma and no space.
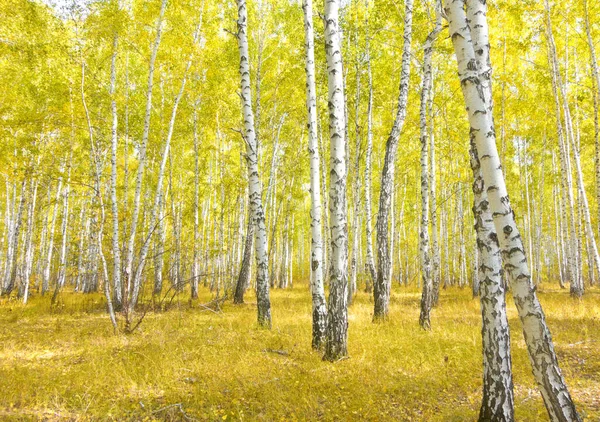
152,148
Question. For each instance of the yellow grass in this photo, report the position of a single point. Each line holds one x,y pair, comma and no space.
65,363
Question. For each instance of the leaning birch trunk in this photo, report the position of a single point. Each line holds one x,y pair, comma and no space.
426,297
498,398
382,285
158,196
337,319
142,162
116,247
497,403
319,305
368,214
537,336
255,188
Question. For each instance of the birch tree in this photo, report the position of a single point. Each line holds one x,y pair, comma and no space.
368,158
336,345
474,74
254,184
426,86
382,286
319,305
133,228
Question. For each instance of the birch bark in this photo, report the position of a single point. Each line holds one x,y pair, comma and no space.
255,188
473,80
426,273
319,305
382,284
128,270
368,158
336,345
116,246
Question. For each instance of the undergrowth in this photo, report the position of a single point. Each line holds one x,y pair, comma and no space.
190,362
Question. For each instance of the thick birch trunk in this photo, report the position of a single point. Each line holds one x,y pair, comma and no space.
498,398
537,336
255,188
319,305
337,318
426,273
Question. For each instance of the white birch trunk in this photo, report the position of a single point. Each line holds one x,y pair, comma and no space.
368,158
13,248
128,269
537,336
596,98
255,188
319,305
337,317
62,268
29,242
382,284
116,245
50,251
137,279
426,270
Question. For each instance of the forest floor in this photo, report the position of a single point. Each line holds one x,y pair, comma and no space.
65,363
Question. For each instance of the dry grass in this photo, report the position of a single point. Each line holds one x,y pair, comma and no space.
65,363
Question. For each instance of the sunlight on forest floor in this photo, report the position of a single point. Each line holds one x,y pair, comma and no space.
65,363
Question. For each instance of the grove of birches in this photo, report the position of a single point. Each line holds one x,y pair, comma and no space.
299,162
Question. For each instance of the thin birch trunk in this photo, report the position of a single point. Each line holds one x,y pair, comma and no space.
116,243
29,242
382,284
50,251
133,228
196,251
137,280
11,261
372,274
62,268
596,98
